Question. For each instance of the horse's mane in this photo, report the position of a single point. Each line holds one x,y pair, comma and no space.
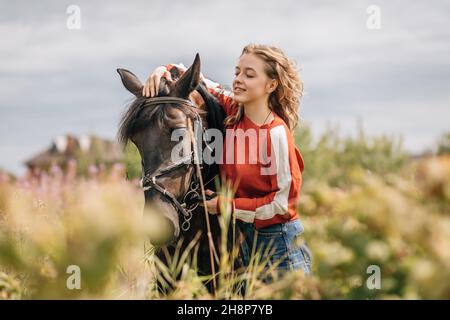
137,116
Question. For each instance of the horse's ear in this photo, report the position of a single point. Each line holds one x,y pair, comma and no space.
131,82
189,80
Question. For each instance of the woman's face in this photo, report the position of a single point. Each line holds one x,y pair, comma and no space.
251,82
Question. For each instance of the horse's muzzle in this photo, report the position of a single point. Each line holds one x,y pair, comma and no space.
163,220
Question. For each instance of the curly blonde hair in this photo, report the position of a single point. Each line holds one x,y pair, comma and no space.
285,100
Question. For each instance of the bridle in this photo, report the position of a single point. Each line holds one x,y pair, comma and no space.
192,197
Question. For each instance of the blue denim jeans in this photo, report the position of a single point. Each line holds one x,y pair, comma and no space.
278,244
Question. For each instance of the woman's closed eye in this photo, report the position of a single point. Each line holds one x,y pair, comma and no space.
247,75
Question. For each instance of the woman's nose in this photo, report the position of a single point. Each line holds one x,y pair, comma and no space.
237,80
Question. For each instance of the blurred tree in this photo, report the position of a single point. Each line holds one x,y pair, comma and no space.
443,145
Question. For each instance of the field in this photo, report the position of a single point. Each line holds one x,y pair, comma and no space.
376,220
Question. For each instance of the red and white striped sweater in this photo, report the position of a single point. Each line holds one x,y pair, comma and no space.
266,193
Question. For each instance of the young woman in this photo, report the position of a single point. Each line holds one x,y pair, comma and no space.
265,99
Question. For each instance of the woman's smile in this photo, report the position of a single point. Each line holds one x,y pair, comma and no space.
238,90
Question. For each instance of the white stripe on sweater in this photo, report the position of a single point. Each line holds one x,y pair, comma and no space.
279,204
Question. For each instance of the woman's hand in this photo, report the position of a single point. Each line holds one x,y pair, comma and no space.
211,205
151,86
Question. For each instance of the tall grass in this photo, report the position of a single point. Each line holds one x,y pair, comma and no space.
363,203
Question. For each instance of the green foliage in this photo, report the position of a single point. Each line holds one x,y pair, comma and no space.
132,160
331,158
10,288
443,145
380,221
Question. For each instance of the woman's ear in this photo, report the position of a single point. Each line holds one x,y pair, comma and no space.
272,85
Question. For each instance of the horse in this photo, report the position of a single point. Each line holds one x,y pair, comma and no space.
174,188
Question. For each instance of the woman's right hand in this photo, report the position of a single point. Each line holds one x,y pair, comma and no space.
151,86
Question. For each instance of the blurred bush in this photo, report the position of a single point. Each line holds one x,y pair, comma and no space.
96,225
331,158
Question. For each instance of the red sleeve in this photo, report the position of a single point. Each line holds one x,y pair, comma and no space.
224,96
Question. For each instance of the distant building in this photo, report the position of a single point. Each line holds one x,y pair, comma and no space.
85,150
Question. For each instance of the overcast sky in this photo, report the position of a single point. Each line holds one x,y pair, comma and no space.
55,80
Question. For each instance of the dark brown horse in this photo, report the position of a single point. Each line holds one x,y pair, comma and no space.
173,187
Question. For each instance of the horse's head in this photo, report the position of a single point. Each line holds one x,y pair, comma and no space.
149,124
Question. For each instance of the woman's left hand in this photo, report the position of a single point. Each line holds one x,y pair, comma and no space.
211,205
